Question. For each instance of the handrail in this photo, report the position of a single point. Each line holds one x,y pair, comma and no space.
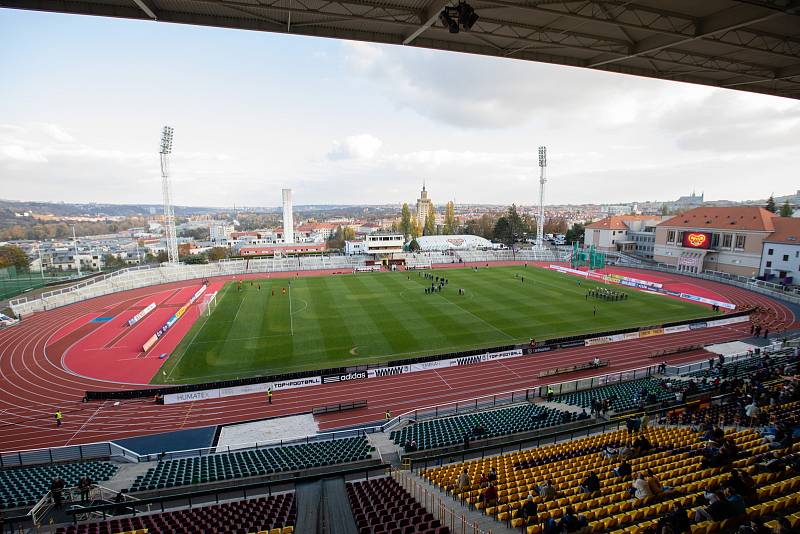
190,495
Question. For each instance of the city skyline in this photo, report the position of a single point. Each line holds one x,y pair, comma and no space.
81,123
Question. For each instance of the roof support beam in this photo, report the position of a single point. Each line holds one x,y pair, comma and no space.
144,7
430,15
724,21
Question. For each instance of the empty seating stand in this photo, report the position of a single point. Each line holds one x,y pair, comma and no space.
24,486
623,393
276,514
257,462
449,431
382,506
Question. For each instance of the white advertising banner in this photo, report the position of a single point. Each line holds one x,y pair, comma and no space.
297,383
676,329
138,317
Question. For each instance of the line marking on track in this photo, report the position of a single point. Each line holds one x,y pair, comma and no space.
86,422
509,369
442,378
189,411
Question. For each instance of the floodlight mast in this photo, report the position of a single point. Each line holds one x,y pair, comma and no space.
169,217
542,181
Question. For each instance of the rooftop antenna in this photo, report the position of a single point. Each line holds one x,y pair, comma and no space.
169,216
542,181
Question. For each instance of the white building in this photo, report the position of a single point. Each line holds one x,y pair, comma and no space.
288,219
632,234
220,232
353,248
781,251
379,243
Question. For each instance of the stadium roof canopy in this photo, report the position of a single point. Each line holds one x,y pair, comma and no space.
440,243
749,45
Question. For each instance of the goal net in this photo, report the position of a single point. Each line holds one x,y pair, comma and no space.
207,304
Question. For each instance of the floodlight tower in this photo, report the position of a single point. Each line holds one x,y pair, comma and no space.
542,180
169,217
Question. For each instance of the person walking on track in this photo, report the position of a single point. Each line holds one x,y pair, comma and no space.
269,395
58,416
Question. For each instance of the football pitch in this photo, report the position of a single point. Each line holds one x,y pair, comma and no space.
333,321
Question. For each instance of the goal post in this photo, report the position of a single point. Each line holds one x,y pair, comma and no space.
207,304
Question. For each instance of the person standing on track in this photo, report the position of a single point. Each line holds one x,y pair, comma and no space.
59,416
269,395
388,415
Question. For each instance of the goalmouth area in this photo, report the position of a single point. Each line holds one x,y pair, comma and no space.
270,326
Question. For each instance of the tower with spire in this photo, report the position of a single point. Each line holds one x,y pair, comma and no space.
423,206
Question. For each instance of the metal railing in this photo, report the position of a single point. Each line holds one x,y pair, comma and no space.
68,453
759,286
441,508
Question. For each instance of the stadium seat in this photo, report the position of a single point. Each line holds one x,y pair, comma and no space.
258,462
24,486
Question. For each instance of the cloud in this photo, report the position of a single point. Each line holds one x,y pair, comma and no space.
358,147
57,133
11,152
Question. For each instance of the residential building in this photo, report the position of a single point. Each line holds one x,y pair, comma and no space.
724,239
220,232
631,234
354,248
780,258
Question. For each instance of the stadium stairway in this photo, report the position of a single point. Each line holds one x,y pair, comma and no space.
386,448
337,514
322,507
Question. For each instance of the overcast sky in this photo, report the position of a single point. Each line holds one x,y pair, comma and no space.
83,99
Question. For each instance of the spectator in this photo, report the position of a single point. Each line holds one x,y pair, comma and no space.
492,476
571,522
644,422
676,521
736,505
547,491
463,481
610,453
655,485
85,485
56,489
528,511
591,484
490,495
716,510
641,488
466,440
743,484
483,481
754,526
119,500
583,415
641,445
752,412
624,469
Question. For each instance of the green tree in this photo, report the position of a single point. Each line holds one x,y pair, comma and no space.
416,229
576,233
413,246
450,219
113,262
664,210
515,225
405,221
771,204
162,257
786,209
195,259
13,256
199,234
503,231
218,253
430,222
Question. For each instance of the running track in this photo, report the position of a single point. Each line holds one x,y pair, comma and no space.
34,383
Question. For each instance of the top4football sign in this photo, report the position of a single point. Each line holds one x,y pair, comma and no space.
697,240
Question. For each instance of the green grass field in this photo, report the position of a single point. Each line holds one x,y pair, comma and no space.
332,321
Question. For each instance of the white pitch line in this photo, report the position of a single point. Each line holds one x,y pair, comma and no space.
291,317
442,379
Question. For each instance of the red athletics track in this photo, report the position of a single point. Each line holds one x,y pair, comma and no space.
35,383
